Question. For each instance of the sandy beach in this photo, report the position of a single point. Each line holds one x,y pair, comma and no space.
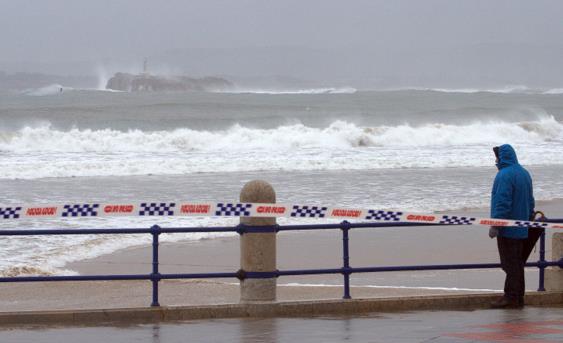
296,250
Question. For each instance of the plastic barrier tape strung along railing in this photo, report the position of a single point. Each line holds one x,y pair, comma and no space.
235,209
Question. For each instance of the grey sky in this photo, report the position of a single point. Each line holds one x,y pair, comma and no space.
367,42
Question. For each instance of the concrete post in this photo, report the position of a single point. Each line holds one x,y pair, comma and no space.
554,275
258,250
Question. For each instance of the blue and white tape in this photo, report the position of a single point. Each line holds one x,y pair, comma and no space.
234,209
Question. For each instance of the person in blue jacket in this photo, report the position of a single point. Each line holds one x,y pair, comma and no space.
512,198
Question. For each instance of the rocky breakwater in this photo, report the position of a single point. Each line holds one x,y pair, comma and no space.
152,83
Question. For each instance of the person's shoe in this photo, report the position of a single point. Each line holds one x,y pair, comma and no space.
505,302
521,302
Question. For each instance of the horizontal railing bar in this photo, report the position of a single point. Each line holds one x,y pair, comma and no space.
309,271
41,232
351,226
261,274
198,276
373,269
199,229
117,277
76,278
303,227
405,268
47,232
426,267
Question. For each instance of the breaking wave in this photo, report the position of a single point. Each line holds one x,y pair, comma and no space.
55,89
48,90
519,89
340,134
40,152
554,91
328,90
501,90
25,270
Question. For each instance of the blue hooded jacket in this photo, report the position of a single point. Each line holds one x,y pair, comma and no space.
512,195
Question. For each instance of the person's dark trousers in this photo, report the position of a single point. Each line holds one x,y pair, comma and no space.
511,260
534,234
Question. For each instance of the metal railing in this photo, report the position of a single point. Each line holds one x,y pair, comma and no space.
346,270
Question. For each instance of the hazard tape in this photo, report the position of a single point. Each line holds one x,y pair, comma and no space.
234,209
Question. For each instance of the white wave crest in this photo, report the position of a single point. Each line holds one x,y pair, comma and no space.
48,90
56,89
328,90
339,134
544,130
45,152
554,91
500,90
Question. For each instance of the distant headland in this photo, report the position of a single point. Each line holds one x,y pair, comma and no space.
146,82
151,83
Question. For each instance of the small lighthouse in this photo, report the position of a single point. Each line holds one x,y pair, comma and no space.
145,67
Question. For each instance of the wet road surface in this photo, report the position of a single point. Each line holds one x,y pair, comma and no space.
530,325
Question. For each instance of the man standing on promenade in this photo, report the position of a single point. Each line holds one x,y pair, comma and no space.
512,198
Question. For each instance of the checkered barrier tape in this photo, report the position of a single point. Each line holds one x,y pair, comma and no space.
526,224
80,210
157,209
457,220
233,209
388,216
10,212
308,211
236,209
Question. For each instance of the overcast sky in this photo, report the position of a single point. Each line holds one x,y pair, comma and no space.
350,41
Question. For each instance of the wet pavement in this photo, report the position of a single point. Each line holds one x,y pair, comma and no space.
530,325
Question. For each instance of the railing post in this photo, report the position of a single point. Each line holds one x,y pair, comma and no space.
541,287
155,275
258,249
345,226
554,275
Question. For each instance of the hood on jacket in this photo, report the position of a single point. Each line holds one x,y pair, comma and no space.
507,156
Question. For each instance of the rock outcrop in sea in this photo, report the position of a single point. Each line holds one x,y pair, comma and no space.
151,83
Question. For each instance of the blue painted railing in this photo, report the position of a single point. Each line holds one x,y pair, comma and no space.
155,276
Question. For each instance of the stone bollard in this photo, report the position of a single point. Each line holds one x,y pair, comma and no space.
258,250
554,275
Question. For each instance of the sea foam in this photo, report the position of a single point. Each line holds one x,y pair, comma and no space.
39,152
339,134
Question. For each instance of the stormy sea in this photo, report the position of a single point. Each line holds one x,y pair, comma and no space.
422,150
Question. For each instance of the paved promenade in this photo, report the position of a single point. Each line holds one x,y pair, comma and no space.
530,325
